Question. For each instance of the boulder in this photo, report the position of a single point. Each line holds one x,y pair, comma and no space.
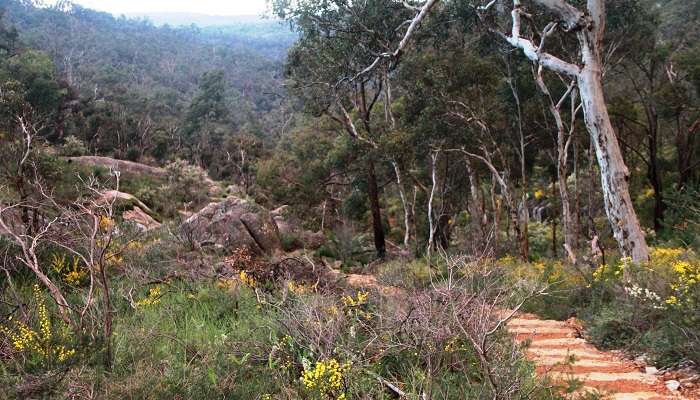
119,165
233,223
673,385
133,210
140,219
124,200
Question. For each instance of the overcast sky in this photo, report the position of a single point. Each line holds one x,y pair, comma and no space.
211,7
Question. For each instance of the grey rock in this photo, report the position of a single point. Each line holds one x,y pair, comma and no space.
231,224
651,370
140,219
673,385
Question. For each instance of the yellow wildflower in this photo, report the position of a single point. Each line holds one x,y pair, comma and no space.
247,279
153,297
361,299
325,378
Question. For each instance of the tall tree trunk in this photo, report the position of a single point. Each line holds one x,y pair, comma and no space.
614,173
378,227
570,241
521,225
564,140
404,203
554,219
475,203
431,223
514,215
496,205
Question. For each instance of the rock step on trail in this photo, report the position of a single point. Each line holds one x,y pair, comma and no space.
560,353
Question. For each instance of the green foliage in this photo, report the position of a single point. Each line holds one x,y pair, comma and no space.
73,147
36,71
187,183
682,222
611,328
290,242
193,330
412,274
302,160
208,104
650,309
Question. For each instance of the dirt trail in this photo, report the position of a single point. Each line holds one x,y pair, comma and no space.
552,345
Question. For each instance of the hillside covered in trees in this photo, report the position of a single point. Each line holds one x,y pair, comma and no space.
425,199
131,90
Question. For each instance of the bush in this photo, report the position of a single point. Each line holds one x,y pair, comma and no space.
420,341
567,289
409,274
652,309
611,328
290,242
73,147
186,183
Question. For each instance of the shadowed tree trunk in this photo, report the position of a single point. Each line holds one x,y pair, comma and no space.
475,203
377,226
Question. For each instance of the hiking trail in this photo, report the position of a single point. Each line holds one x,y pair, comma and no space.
553,345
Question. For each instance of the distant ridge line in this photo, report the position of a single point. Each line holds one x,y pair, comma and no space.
203,20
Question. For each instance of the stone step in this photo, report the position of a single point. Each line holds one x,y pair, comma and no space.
577,353
537,330
559,343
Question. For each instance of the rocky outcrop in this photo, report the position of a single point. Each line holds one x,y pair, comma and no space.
231,224
124,200
124,166
212,187
134,210
140,219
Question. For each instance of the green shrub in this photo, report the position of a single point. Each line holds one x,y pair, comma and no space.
610,328
290,242
186,183
412,274
73,147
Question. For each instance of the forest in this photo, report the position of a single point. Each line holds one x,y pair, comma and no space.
376,199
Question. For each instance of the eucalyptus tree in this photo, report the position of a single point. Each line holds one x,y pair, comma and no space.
337,39
586,28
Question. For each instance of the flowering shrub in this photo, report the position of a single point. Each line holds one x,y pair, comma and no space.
72,273
153,297
607,273
686,285
227,284
324,380
41,343
247,279
359,300
652,308
300,288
